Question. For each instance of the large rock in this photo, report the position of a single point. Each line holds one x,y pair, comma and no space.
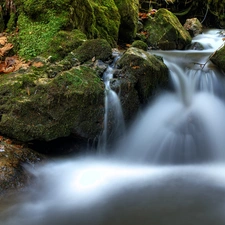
165,31
97,19
34,106
63,42
218,58
140,75
41,21
97,48
56,100
13,157
128,10
193,26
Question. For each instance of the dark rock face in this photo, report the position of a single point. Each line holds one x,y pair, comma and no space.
128,10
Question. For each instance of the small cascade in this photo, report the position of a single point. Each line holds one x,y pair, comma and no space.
187,124
114,126
168,168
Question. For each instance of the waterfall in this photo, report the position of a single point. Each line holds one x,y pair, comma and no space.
114,126
188,124
167,169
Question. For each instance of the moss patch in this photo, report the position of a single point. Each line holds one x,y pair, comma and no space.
166,32
140,44
64,42
98,48
35,37
144,70
35,107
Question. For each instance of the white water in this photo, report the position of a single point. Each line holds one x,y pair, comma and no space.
168,170
114,125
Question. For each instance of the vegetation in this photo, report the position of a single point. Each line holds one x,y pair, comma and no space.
140,44
209,12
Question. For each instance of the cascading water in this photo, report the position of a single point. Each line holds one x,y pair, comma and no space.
169,169
114,125
187,125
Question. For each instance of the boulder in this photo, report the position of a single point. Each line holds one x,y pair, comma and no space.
140,44
97,48
165,31
107,20
218,58
63,42
128,10
140,75
193,26
36,106
44,24
13,157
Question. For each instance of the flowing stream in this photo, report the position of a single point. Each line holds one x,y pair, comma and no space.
114,126
168,169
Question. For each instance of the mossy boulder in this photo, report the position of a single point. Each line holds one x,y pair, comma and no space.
64,42
35,36
107,20
166,32
42,24
97,19
36,107
128,10
97,48
218,58
141,75
140,44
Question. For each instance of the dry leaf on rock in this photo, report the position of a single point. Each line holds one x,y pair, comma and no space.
3,40
5,48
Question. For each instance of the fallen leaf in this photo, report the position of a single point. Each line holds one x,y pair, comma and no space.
37,64
8,141
5,48
135,67
12,64
3,40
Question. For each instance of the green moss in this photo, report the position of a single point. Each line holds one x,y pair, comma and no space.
140,44
41,10
218,58
11,25
128,10
144,70
166,32
48,27
35,37
64,42
33,106
98,48
97,19
107,20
